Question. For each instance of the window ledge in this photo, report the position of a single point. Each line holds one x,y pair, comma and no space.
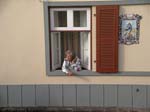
91,73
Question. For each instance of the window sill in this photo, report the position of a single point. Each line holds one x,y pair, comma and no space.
91,73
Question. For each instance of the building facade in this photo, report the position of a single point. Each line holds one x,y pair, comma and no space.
25,60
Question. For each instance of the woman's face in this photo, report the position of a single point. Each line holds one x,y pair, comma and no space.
69,57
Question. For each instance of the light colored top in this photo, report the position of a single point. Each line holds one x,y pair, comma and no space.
70,66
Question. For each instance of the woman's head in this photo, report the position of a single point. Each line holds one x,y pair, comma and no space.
69,55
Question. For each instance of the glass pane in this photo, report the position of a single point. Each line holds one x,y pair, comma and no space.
60,18
80,18
86,57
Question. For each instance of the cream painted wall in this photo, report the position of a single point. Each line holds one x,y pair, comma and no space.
93,38
137,57
22,46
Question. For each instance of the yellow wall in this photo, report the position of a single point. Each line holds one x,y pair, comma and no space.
22,47
137,57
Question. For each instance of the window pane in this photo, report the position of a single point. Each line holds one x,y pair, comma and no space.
85,49
60,18
80,18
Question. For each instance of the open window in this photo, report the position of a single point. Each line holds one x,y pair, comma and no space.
85,49
70,28
78,42
56,50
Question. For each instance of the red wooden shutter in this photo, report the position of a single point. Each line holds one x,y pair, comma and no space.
107,18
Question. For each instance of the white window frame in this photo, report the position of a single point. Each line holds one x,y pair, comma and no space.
89,52
55,66
70,26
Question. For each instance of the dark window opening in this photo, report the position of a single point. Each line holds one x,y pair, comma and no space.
77,42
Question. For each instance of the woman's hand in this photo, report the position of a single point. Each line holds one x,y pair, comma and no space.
72,62
69,73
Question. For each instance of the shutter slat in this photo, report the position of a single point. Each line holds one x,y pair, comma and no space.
107,38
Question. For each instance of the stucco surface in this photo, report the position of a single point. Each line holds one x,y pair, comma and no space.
22,46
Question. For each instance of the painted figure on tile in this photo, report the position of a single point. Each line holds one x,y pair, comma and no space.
129,29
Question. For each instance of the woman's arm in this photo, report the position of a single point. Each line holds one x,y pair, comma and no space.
64,67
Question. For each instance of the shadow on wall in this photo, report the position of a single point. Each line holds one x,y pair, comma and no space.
121,58
4,4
